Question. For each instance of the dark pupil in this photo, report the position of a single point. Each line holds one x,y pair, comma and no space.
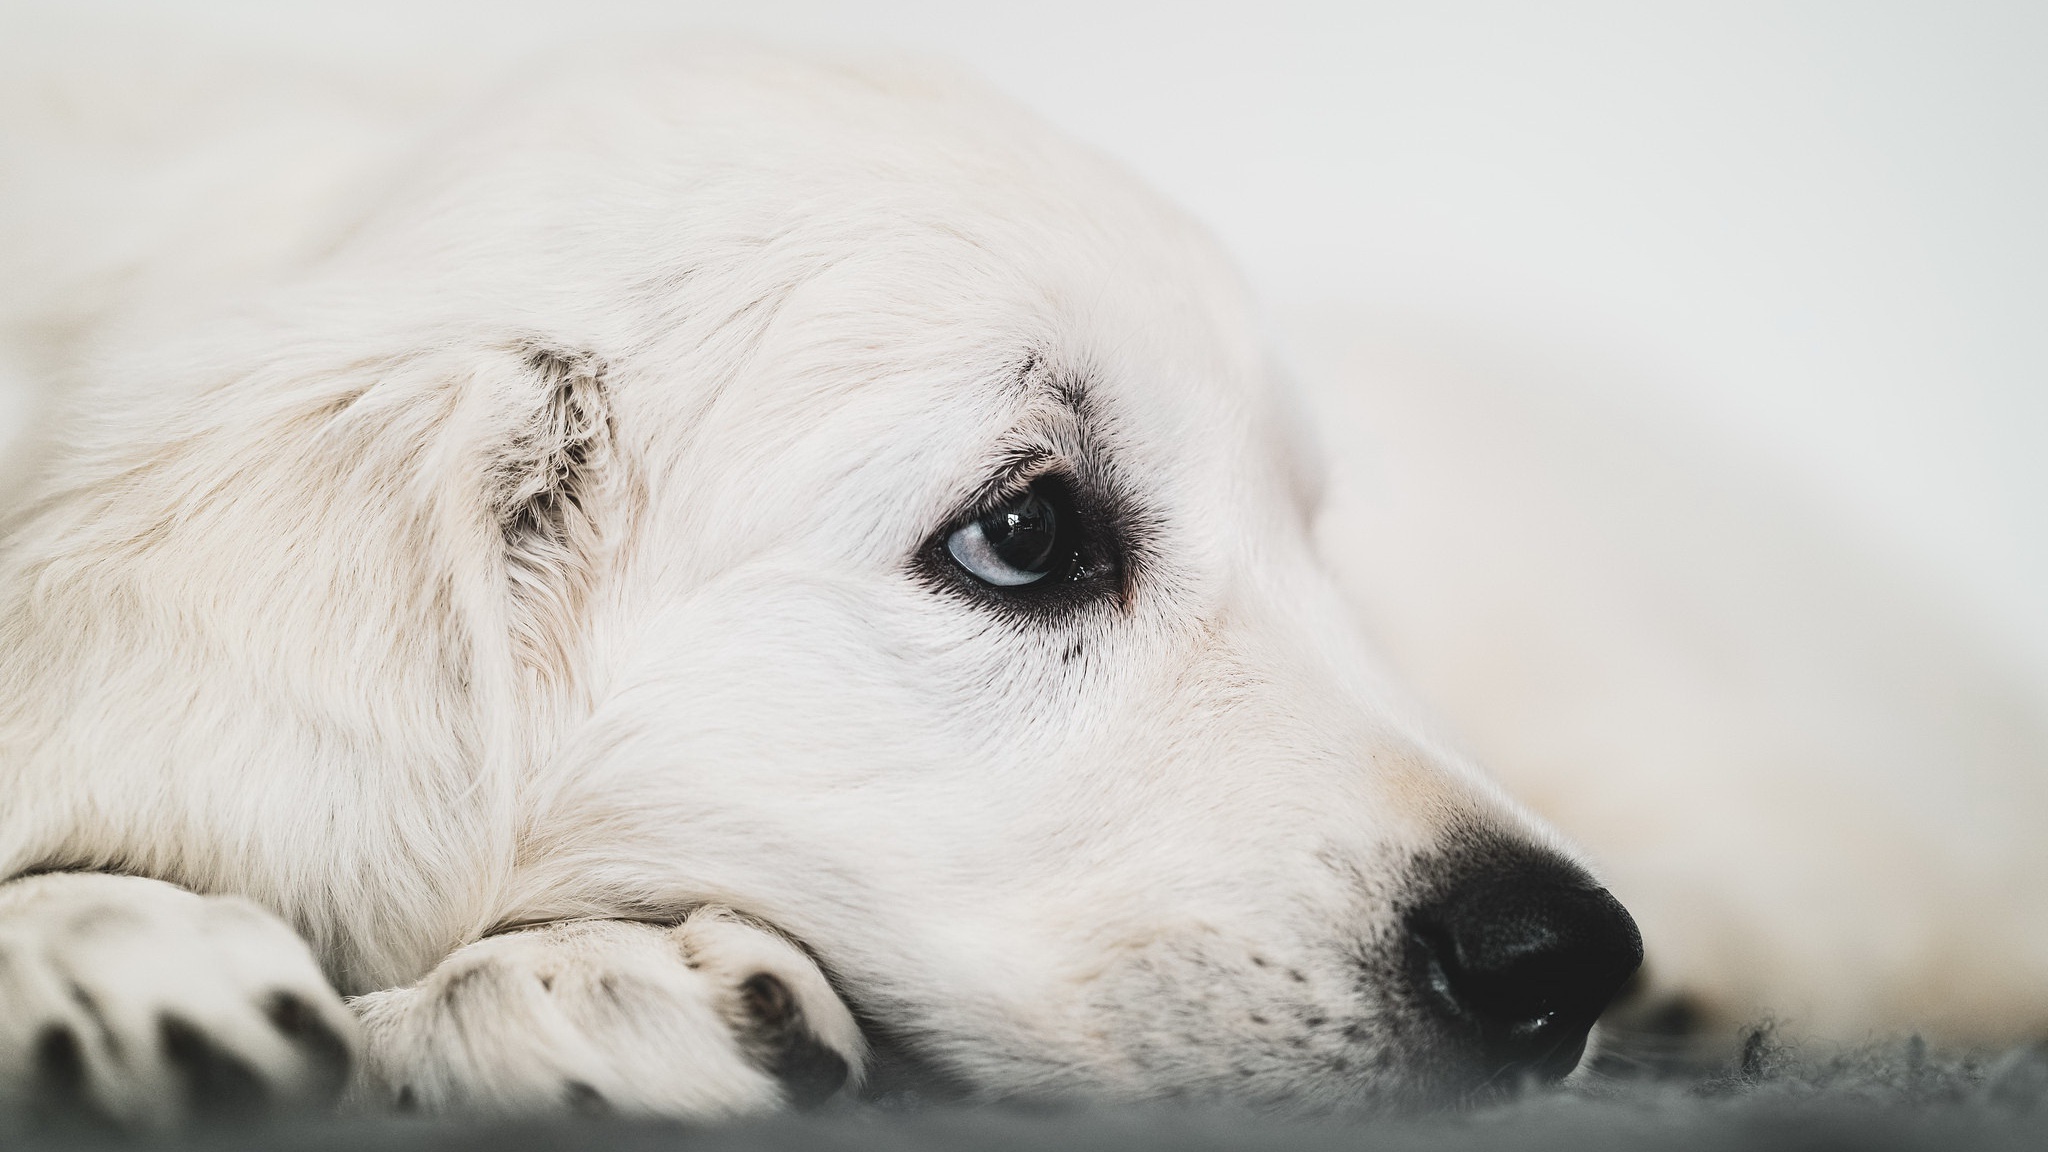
1023,534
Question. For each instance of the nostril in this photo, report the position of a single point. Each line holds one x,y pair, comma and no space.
1522,960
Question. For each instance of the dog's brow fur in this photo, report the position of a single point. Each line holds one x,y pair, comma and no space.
1054,419
1060,399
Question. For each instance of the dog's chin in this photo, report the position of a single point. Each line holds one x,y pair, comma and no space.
900,1077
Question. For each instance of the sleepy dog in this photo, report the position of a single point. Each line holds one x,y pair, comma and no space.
711,562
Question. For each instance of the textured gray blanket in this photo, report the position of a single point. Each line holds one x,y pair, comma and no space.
1894,1096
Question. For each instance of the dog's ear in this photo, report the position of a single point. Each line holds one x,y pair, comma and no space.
551,486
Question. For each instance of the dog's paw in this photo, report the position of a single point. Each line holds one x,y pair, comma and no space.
714,1017
136,1003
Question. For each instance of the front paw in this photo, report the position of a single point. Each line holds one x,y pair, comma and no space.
140,1004
714,1017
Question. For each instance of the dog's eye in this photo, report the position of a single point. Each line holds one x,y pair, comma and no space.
1051,547
1021,542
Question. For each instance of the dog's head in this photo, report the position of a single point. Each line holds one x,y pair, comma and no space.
964,622
895,531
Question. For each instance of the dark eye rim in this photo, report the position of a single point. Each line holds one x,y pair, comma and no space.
1090,567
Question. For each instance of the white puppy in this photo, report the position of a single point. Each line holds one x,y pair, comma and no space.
704,481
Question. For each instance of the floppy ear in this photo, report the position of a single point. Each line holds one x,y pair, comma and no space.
551,486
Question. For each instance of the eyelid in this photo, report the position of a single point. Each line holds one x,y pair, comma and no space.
1016,477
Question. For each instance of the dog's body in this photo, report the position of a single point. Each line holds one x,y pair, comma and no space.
545,518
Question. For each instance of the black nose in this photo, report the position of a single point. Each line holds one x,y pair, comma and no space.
1520,956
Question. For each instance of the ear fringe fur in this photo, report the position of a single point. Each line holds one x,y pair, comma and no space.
547,482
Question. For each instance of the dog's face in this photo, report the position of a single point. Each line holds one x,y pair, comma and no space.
943,595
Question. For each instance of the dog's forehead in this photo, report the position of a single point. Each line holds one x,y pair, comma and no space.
769,249
948,359
932,260
867,217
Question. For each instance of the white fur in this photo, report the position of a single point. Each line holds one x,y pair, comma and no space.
260,632
1819,798
110,959
281,618
626,1017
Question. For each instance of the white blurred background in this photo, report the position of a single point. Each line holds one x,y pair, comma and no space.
1688,372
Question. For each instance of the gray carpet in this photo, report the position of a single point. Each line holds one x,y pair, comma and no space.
1894,1096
